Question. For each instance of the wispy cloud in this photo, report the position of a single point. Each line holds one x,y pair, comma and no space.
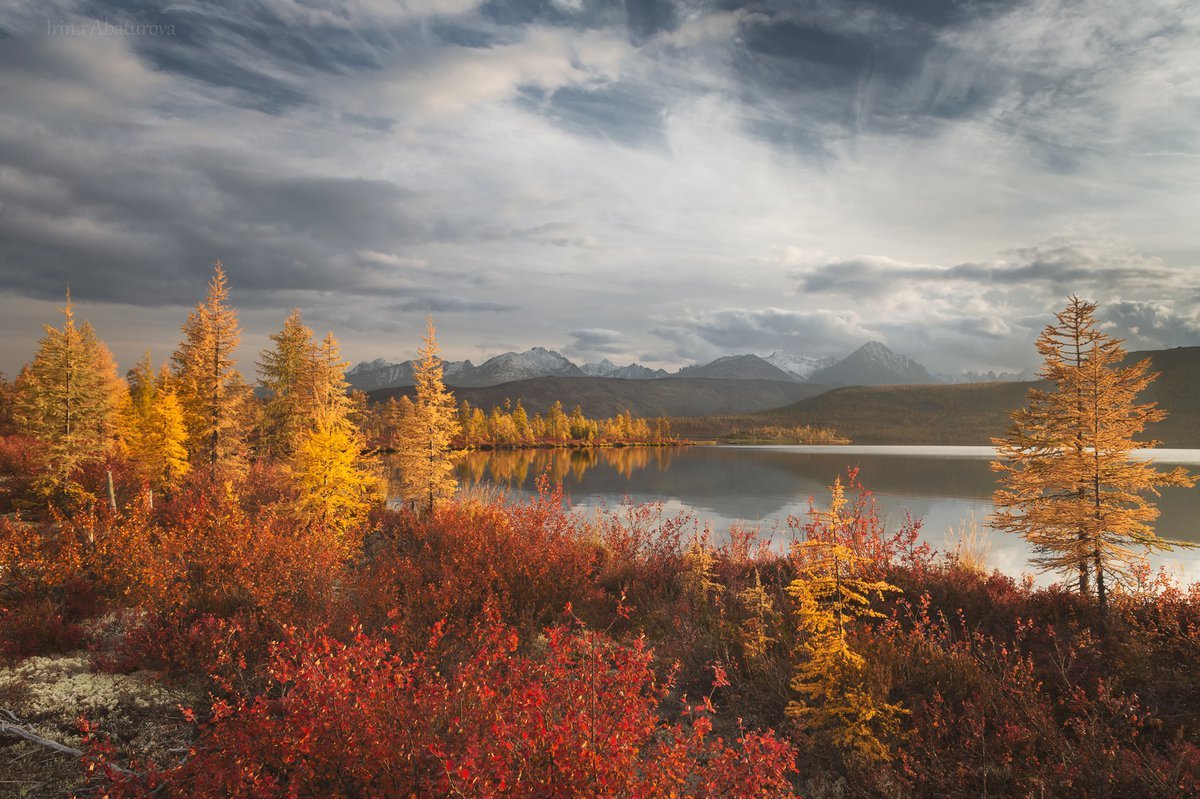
698,180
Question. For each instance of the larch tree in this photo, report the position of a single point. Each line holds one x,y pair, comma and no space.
1069,485
424,454
284,373
327,379
70,398
834,590
210,389
336,484
156,432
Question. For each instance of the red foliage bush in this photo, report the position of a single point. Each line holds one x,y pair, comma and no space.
578,718
526,561
211,556
21,459
38,627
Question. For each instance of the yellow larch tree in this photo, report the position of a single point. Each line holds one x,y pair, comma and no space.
70,398
336,484
211,392
833,591
156,432
1069,484
424,454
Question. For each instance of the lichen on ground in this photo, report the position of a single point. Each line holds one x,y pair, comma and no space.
53,693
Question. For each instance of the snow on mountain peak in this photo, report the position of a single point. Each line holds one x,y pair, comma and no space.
799,366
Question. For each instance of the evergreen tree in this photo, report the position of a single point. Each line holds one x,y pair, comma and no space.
427,470
1069,485
69,396
761,620
521,424
211,392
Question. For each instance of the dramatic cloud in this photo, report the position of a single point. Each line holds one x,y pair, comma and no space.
668,180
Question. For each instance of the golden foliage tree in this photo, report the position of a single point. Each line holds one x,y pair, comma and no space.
424,454
211,391
156,433
833,590
69,396
336,484
1069,484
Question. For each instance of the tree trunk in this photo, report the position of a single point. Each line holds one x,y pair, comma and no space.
1101,591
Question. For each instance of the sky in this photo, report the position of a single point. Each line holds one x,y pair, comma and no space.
660,181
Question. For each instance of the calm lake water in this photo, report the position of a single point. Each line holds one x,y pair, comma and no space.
946,487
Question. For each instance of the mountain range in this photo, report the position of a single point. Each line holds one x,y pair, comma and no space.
870,365
890,413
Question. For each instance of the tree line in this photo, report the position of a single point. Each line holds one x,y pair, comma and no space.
512,427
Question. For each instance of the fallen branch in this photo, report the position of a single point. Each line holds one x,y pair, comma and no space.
26,732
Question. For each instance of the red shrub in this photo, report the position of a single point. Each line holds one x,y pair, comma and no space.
357,719
38,627
527,561
21,459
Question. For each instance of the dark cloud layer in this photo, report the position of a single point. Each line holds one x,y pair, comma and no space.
669,180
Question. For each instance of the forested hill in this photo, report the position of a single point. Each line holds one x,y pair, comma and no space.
606,396
973,413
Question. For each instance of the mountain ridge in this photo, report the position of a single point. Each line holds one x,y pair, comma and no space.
871,364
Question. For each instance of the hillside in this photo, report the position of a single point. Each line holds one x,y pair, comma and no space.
607,396
972,413
1177,389
969,413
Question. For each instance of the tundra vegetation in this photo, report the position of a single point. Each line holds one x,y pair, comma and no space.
171,540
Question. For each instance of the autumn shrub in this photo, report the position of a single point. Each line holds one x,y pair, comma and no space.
211,555
21,460
574,716
525,560
37,627
1046,707
46,587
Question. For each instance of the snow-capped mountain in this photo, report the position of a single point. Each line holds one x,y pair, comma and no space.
873,364
509,366
798,366
370,375
634,371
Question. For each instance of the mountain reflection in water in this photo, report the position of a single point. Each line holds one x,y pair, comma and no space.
944,486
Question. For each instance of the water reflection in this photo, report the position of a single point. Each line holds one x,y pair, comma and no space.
517,469
723,485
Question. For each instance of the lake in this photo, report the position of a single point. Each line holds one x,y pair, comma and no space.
944,486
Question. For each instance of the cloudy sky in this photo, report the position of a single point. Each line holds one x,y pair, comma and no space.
659,180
